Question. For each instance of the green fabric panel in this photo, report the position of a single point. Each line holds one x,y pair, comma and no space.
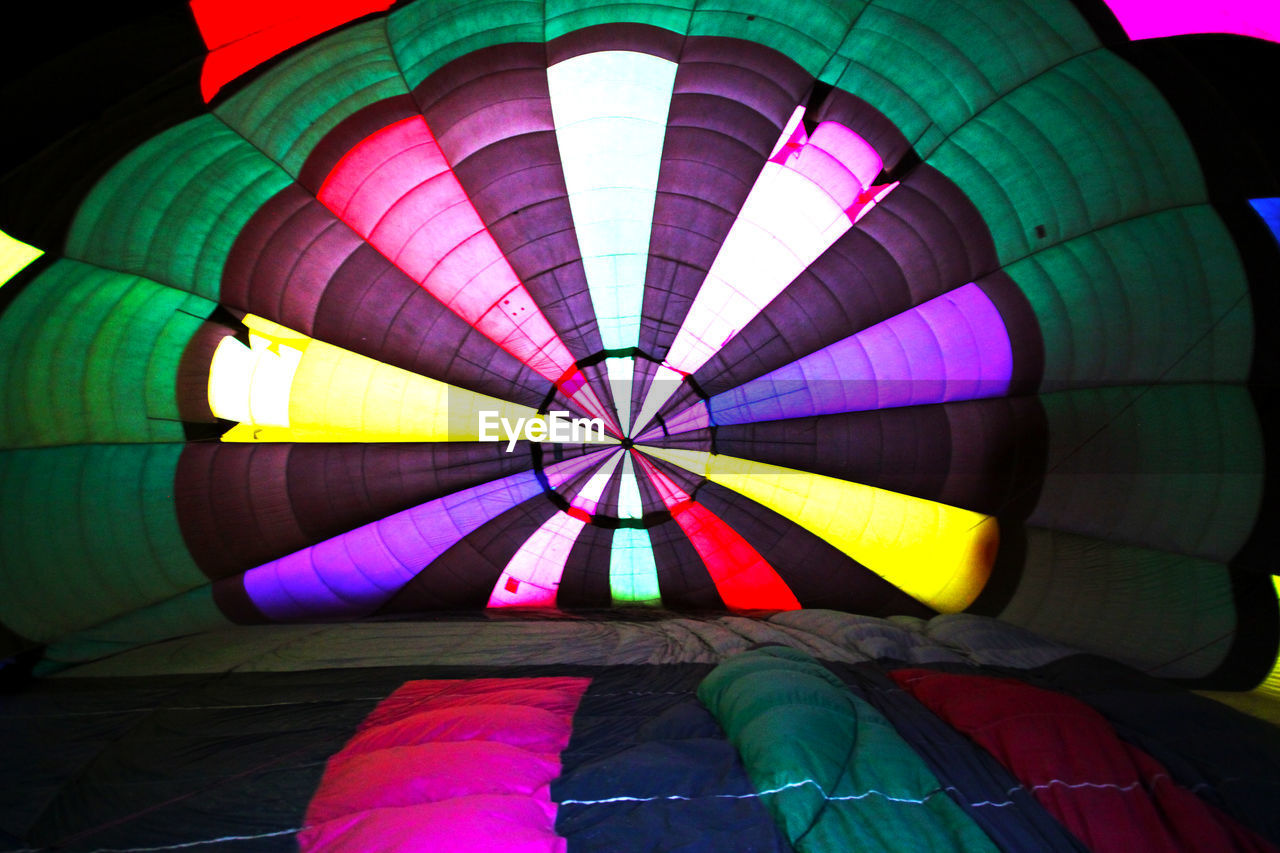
172,209
807,31
92,355
565,16
1163,297
1084,145
99,537
289,109
1173,467
831,769
1168,614
931,67
186,613
425,36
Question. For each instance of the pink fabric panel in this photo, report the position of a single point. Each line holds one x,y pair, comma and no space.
449,765
535,729
396,190
482,824
428,773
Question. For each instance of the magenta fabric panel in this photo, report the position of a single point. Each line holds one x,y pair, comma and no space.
458,765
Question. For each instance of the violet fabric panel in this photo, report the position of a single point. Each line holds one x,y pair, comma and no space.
953,347
356,573
240,505
463,576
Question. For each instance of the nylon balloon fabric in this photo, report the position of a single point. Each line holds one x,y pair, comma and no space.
362,310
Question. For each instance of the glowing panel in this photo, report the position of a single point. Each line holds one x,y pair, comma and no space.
633,571
953,347
621,373
938,554
532,576
286,386
633,574
629,502
357,572
1144,19
610,113
809,193
743,578
398,192
1270,686
243,34
471,760
15,256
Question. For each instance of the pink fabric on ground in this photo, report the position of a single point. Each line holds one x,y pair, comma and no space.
449,765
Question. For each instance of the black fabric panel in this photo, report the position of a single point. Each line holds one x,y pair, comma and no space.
682,477
241,505
137,762
463,577
192,382
82,87
923,240
682,576
985,455
299,265
586,573
491,112
1228,758
991,795
1023,328
641,735
819,574
650,500
634,37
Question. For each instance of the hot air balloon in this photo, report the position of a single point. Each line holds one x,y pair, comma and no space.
397,385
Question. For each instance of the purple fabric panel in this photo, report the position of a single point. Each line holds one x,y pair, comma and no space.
241,505
463,577
356,572
953,347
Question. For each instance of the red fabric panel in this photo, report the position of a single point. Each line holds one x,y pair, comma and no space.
743,578
1111,795
459,765
242,34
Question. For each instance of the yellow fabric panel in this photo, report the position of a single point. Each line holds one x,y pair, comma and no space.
938,554
14,256
339,396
